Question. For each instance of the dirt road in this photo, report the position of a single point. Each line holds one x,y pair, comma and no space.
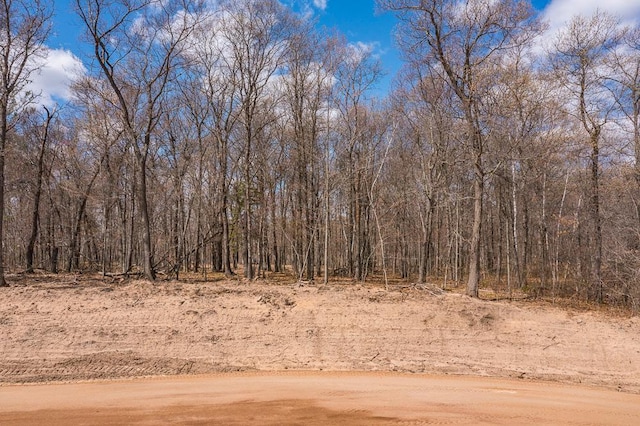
316,399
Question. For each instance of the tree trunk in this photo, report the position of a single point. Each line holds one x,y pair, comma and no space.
141,193
514,226
224,209
105,240
327,216
226,246
3,139
74,248
36,199
248,267
128,227
595,217
274,234
473,283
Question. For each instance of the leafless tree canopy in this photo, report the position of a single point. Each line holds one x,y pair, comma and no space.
238,137
23,31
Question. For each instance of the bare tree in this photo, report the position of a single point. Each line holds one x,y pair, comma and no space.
216,81
523,108
626,63
458,42
193,120
43,136
580,57
103,137
421,104
137,46
305,89
254,35
355,77
24,27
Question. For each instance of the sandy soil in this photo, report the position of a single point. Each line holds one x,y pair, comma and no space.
67,329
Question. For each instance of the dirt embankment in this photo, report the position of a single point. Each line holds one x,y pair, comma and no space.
88,329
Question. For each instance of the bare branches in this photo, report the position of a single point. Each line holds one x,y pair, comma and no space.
24,27
137,45
461,42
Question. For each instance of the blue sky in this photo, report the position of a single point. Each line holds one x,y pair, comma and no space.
356,19
359,21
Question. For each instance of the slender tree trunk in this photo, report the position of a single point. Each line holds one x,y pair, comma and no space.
327,216
199,237
176,239
128,227
309,241
122,206
474,254
274,234
351,225
544,236
226,235
595,217
105,240
3,143
636,140
248,267
196,254
74,248
358,232
36,198
526,245
429,252
141,193
514,225
427,242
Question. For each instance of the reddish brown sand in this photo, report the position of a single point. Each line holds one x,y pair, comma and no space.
567,366
316,399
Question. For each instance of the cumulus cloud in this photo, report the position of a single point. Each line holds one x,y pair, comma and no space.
364,47
559,12
360,49
53,80
320,4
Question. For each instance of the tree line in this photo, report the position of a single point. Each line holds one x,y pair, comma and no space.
243,138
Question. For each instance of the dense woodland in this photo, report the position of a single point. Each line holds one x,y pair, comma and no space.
242,138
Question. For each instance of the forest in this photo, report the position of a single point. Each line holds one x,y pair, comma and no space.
240,137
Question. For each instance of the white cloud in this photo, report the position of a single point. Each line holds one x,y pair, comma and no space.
559,12
361,49
364,47
320,4
58,71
